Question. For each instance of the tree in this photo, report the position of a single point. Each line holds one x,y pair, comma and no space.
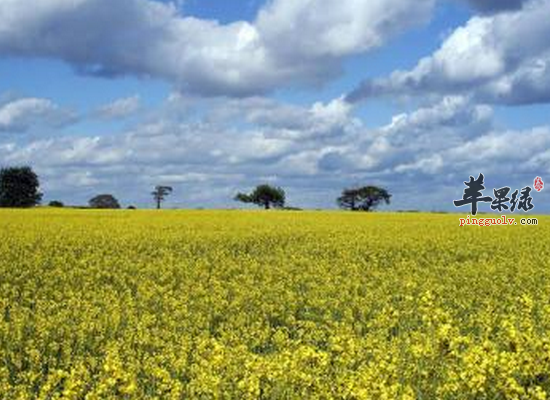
107,201
365,198
264,196
160,193
56,204
19,187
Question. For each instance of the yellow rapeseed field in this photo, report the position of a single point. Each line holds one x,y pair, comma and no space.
271,305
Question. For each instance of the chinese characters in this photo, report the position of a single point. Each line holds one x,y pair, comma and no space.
473,194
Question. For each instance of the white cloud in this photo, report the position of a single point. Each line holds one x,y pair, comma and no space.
504,58
508,148
20,115
292,42
429,165
456,113
120,108
411,137
316,29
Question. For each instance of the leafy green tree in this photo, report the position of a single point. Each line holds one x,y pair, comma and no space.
56,204
160,193
106,201
365,198
19,187
265,196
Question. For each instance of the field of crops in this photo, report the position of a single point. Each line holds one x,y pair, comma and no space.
271,305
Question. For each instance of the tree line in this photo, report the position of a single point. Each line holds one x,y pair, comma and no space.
19,188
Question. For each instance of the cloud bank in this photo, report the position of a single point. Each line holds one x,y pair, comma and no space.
312,151
290,43
500,59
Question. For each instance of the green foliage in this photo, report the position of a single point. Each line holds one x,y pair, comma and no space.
56,204
265,196
106,201
19,187
365,198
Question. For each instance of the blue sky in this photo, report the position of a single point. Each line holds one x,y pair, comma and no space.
213,97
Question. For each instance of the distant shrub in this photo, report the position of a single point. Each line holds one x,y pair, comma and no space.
56,203
106,201
132,208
